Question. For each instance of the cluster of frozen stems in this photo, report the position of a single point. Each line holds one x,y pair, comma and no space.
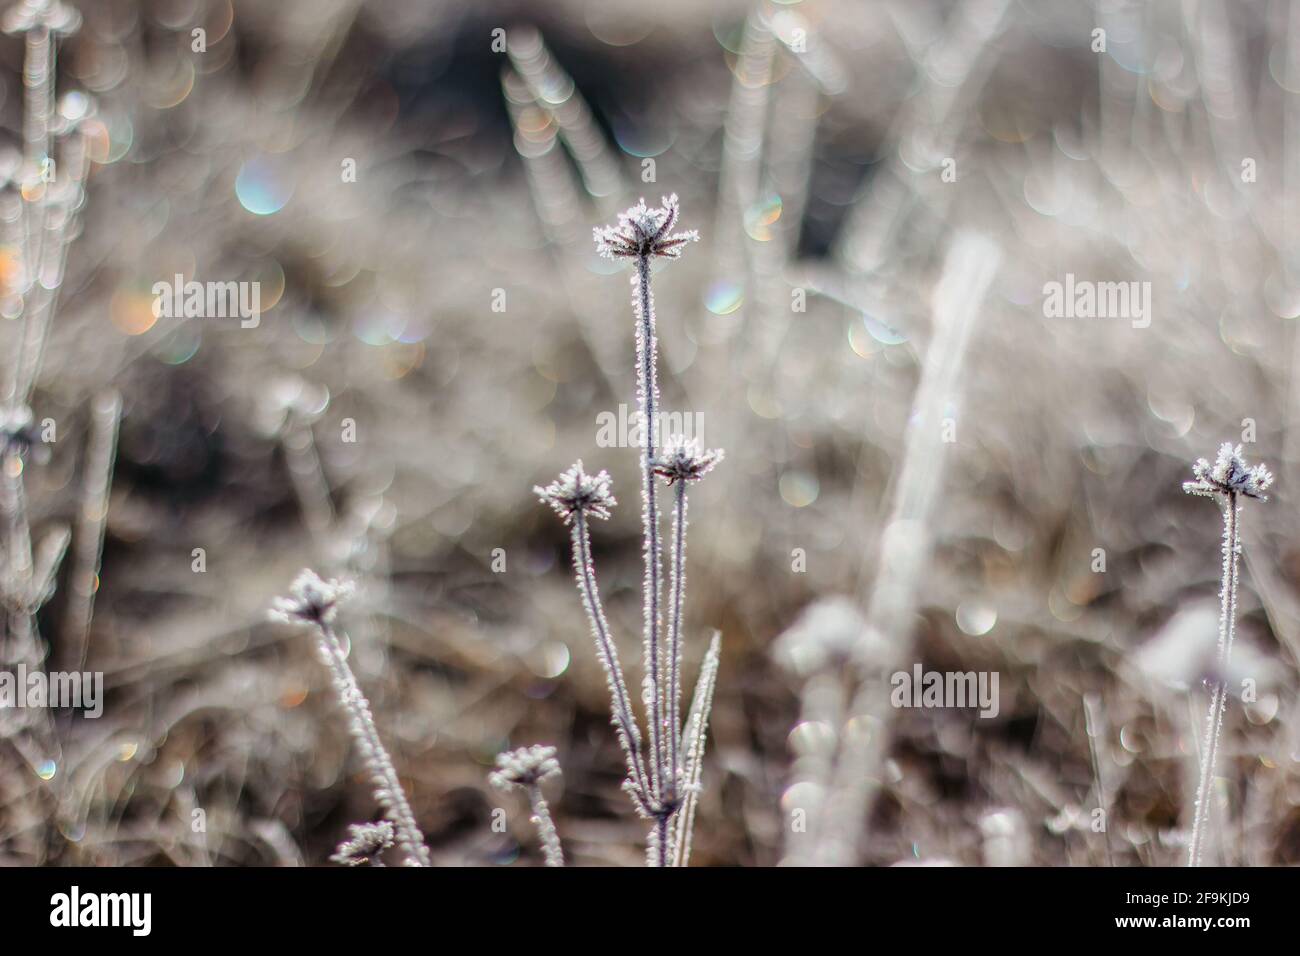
664,782
1228,480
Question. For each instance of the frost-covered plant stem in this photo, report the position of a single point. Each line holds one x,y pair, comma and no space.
388,788
1218,693
313,602
697,725
648,401
677,588
546,832
1228,480
629,735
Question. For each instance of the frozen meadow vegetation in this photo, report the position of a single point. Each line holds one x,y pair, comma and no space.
964,288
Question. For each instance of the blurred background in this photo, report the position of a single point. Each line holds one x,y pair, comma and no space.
414,183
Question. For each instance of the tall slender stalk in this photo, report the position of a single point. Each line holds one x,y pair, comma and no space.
884,644
1228,480
697,723
629,733
677,590
647,393
92,523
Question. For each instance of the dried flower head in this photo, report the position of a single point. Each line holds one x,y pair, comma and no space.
311,600
525,767
1229,475
368,840
682,460
576,492
42,14
644,232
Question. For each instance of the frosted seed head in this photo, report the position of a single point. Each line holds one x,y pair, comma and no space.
367,841
1229,475
643,231
682,460
576,492
311,600
58,18
525,767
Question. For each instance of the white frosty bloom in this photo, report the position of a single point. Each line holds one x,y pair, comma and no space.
644,232
48,14
576,492
525,767
1228,475
682,460
368,840
311,600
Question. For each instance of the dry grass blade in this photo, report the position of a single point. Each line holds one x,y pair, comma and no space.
693,740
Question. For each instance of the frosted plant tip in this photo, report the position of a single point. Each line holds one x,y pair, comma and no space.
525,767
368,840
311,600
1229,475
576,492
644,232
682,460
49,15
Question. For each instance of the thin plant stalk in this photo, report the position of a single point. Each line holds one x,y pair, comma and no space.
601,175
969,268
314,602
92,522
647,400
389,792
308,477
677,590
1094,726
1228,480
546,832
1218,692
697,724
629,734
